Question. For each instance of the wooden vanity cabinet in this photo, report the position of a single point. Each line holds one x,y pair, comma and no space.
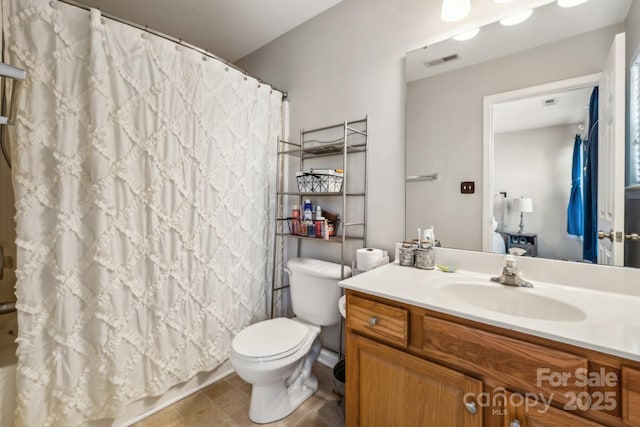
408,366
394,388
631,395
535,414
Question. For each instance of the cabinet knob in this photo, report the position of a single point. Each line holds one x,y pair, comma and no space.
633,236
471,407
373,321
514,423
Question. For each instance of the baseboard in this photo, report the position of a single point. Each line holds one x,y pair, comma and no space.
175,394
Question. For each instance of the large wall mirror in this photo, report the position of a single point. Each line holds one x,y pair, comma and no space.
513,111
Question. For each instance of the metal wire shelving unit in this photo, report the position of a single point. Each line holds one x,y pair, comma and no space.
350,146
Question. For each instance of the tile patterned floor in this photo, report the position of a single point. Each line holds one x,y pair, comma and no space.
226,404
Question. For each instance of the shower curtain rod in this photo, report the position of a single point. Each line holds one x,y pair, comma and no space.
170,38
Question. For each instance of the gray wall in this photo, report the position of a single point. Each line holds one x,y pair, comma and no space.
348,62
444,128
632,25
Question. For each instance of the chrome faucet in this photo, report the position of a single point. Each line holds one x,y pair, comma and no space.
510,276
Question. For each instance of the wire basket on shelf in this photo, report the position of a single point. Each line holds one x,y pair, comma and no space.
298,227
320,180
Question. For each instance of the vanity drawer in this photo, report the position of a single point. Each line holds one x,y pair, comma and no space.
631,396
518,364
378,320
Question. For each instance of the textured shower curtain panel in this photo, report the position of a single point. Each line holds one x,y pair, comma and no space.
144,177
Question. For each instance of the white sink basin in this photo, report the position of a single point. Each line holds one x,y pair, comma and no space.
513,301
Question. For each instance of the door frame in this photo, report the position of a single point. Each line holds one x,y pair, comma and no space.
611,153
581,82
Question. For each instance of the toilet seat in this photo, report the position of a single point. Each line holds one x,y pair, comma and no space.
270,339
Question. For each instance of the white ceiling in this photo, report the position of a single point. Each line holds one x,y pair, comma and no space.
531,113
548,23
230,29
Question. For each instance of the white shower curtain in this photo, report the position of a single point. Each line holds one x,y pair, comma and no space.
144,178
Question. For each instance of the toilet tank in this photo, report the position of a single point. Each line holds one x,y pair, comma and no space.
314,290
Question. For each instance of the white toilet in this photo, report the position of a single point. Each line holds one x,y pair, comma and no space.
276,355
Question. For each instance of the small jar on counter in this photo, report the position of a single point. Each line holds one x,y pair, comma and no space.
425,257
406,254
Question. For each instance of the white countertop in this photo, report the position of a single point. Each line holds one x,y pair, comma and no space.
603,321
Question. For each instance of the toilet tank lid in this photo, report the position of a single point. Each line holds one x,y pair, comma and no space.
317,268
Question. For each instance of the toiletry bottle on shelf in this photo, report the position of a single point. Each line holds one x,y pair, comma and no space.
307,210
295,220
318,212
319,224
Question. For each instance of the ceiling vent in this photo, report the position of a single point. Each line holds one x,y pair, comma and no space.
549,102
441,61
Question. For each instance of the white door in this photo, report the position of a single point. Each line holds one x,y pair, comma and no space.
611,146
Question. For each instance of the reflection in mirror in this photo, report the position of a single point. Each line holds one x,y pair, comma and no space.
539,133
539,139
447,84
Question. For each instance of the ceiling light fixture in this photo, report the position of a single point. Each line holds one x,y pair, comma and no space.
455,10
468,35
570,3
517,18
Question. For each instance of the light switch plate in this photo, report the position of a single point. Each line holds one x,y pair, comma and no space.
467,187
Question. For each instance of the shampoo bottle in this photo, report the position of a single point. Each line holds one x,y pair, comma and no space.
308,210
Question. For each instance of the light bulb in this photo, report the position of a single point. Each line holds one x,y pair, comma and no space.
570,3
455,10
517,19
468,35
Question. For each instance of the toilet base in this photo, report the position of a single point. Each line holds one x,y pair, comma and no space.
276,402
272,402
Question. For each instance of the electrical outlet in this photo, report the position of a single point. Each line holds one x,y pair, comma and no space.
467,187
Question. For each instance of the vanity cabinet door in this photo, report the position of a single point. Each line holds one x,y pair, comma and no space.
531,413
387,387
631,396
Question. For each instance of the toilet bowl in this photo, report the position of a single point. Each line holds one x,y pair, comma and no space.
275,356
